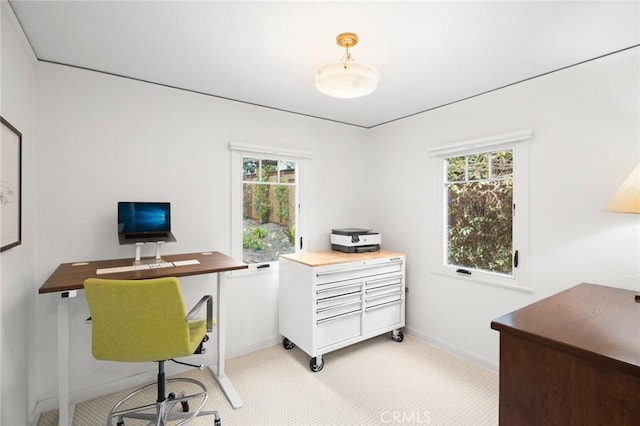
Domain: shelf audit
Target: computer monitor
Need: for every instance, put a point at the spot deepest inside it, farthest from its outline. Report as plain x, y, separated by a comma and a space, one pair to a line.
140, 222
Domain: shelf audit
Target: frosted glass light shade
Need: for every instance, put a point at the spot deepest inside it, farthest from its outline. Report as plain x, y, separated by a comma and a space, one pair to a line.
353, 81
626, 199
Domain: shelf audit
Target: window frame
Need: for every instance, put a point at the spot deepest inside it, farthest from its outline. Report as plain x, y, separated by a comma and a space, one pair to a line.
518, 142
240, 151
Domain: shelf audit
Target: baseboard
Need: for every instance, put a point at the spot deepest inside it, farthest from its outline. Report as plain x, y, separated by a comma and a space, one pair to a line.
454, 349
90, 392
44, 406
256, 346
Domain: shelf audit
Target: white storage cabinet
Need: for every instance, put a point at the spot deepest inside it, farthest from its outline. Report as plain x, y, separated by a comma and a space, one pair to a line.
329, 300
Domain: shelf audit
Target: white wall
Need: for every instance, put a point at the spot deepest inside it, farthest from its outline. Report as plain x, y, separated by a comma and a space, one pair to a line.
586, 123
106, 139
17, 289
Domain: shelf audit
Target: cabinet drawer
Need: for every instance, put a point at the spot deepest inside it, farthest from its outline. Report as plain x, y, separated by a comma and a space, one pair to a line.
337, 309
382, 315
395, 279
336, 329
382, 296
358, 271
387, 285
336, 289
337, 301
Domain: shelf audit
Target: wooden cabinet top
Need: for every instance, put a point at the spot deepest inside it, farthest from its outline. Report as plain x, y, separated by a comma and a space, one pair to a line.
591, 321
322, 258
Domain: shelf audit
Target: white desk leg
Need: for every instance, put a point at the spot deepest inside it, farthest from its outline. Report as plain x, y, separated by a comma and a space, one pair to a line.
223, 381
63, 357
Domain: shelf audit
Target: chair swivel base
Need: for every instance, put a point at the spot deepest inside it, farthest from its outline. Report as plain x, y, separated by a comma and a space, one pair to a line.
161, 413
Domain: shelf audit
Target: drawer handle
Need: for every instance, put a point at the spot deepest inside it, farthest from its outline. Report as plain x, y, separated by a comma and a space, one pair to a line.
357, 268
395, 277
382, 305
380, 287
337, 317
385, 294
339, 296
341, 287
337, 306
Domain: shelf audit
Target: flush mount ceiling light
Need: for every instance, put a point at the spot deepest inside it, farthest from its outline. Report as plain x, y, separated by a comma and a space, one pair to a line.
347, 79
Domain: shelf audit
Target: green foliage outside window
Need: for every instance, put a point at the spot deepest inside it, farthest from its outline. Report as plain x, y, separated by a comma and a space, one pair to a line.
480, 211
290, 232
253, 238
282, 198
262, 202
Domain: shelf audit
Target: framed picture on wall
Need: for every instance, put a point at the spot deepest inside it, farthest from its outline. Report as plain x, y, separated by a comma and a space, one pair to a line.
10, 186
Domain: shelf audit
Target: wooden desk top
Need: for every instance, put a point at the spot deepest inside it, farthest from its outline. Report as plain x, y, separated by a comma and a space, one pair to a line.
321, 258
591, 321
71, 276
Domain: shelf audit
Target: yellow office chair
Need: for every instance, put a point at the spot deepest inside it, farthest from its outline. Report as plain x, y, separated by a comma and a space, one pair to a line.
143, 321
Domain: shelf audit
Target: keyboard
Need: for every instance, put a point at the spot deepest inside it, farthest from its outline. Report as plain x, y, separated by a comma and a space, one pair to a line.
186, 262
131, 268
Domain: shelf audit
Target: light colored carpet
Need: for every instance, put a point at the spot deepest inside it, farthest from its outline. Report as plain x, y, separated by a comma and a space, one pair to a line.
374, 382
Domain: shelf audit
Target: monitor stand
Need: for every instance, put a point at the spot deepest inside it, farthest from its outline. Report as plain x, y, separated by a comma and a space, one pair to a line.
158, 259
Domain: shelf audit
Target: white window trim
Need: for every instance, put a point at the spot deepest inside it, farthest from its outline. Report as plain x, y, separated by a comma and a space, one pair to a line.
519, 143
238, 151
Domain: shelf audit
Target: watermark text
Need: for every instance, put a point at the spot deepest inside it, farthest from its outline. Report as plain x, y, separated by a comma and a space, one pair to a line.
405, 417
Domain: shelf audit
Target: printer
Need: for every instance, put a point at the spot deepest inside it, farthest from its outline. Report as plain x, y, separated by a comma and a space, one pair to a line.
355, 240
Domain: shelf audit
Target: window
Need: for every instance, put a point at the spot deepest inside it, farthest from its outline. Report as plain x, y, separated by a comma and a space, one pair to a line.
484, 210
268, 209
479, 191
266, 204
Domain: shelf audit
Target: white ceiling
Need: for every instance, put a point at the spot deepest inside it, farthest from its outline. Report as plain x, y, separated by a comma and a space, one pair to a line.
428, 53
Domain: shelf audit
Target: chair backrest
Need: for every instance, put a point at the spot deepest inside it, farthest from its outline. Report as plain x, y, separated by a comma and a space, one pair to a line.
137, 320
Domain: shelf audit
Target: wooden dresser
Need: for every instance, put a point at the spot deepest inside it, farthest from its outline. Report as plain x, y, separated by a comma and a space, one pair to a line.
571, 359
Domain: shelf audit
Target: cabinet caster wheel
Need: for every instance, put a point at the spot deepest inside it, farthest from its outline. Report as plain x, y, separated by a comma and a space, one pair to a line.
314, 366
288, 344
397, 337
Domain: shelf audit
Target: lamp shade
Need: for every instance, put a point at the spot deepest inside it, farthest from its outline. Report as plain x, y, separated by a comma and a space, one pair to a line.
347, 80
626, 199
